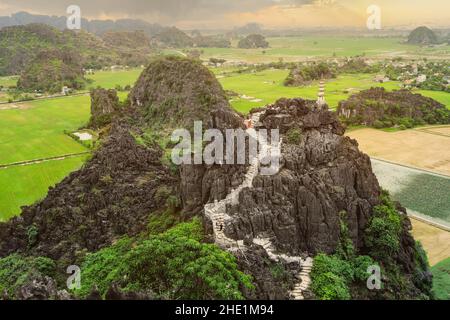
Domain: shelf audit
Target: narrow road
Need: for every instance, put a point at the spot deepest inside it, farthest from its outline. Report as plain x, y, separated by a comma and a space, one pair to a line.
36, 161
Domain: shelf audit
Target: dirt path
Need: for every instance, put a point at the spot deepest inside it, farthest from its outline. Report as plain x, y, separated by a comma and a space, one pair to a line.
435, 241
20, 106
36, 161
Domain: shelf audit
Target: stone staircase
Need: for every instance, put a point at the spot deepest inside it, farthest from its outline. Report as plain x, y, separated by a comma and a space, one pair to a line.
303, 279
216, 212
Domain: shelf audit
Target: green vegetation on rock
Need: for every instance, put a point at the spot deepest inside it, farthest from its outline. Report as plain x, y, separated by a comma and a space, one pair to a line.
422, 36
171, 265
17, 271
51, 70
344, 274
253, 41
304, 74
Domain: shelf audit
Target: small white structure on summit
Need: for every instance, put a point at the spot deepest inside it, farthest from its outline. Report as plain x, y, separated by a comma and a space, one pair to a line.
321, 97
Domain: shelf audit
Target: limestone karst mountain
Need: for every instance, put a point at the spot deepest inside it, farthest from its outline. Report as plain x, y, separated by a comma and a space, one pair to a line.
172, 37
114, 215
253, 41
381, 108
423, 36
52, 69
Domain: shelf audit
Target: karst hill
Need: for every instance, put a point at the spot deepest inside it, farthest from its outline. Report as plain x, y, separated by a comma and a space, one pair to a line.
129, 202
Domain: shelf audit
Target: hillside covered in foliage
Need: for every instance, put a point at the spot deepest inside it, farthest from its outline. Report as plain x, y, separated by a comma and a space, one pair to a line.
422, 36
20, 45
383, 109
304, 74
253, 41
50, 70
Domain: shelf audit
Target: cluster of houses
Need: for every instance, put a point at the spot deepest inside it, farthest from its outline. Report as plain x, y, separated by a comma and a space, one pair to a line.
413, 74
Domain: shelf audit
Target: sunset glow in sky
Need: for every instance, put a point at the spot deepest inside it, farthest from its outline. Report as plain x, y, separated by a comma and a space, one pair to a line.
230, 13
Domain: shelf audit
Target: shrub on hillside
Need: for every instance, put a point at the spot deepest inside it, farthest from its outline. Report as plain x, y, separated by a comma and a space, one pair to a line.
17, 270
382, 235
171, 265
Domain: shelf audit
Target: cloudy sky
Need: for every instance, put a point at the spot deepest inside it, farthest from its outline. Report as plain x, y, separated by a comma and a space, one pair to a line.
230, 13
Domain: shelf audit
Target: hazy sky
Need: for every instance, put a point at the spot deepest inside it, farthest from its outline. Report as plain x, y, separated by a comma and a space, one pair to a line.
229, 13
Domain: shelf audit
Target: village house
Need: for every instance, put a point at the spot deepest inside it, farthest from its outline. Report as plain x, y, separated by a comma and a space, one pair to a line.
381, 79
421, 79
65, 90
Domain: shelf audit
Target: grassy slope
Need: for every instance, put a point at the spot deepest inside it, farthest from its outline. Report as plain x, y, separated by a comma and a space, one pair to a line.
441, 281
24, 185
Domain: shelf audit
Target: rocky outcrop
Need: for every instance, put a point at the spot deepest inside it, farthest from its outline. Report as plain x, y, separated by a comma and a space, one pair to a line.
303, 74
422, 36
274, 224
111, 196
41, 288
51, 70
253, 41
104, 105
321, 175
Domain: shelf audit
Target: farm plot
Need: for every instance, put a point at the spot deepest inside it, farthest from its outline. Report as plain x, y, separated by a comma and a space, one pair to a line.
419, 191
24, 185
37, 130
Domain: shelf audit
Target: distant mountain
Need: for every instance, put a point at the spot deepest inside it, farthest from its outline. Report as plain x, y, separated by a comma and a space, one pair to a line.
173, 37
211, 42
253, 41
52, 69
422, 36
19, 45
127, 39
250, 28
94, 26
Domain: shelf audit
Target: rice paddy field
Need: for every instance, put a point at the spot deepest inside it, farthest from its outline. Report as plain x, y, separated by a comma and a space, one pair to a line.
441, 280
24, 185
423, 193
266, 87
111, 79
35, 130
310, 47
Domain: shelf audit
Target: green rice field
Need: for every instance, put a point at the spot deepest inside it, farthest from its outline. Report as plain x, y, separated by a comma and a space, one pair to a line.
110, 79
310, 47
36, 129
24, 185
441, 280
267, 86
421, 192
